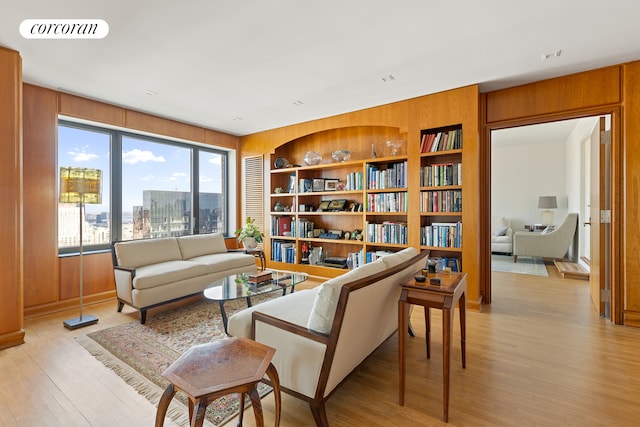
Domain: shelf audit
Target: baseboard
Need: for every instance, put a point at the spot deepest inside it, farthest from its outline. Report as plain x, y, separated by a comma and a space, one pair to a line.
11, 340
632, 318
58, 306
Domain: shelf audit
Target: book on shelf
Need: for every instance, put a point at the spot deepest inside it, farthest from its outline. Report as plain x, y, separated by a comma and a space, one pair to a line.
441, 141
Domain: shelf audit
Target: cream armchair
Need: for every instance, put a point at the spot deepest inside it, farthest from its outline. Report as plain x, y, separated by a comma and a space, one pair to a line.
501, 235
554, 244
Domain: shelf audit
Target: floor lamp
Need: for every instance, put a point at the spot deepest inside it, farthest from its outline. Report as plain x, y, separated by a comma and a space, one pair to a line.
81, 186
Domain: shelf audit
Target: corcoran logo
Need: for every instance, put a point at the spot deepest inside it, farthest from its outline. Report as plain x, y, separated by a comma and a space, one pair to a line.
64, 29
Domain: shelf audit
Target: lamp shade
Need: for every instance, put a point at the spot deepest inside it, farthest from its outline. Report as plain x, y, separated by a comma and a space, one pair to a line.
80, 185
547, 202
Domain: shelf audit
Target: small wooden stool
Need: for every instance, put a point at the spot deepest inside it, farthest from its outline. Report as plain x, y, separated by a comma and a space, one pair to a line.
209, 371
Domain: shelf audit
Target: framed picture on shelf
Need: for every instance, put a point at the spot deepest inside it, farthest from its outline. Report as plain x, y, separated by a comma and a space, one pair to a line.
305, 186
324, 205
330, 184
337, 204
318, 184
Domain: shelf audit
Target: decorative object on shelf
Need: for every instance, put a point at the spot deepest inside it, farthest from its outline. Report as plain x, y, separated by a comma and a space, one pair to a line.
318, 184
546, 203
394, 146
312, 158
330, 184
280, 163
250, 235
324, 205
292, 183
278, 190
315, 256
341, 186
341, 155
278, 207
337, 205
81, 186
373, 151
305, 185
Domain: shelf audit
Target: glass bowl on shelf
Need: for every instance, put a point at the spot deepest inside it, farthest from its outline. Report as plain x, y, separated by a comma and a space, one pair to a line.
394, 146
312, 158
341, 155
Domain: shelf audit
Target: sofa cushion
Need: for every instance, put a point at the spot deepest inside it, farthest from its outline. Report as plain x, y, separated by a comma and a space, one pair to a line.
294, 308
201, 244
499, 231
137, 253
150, 276
399, 257
226, 261
326, 300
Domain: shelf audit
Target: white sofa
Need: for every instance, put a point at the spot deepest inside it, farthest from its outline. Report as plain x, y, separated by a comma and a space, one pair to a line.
501, 235
152, 272
321, 335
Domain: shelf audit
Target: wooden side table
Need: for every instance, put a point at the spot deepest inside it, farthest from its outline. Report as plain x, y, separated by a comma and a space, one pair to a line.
258, 253
209, 371
452, 290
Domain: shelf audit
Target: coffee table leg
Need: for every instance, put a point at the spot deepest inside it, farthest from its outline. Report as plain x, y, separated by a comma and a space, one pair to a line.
224, 316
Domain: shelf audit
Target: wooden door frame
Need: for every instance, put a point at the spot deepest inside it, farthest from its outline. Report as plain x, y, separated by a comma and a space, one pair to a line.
616, 248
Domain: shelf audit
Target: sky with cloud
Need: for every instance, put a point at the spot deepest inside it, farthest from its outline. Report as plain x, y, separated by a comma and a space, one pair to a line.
146, 165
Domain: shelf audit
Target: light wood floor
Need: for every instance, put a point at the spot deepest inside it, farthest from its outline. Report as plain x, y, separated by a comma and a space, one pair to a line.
539, 357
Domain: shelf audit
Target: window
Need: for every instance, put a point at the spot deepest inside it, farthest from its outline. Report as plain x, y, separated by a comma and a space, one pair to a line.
148, 187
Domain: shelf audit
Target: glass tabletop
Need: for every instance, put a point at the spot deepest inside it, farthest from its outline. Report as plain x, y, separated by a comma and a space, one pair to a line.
237, 286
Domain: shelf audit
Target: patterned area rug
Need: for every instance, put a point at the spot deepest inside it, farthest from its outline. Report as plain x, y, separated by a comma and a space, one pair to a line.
140, 353
525, 265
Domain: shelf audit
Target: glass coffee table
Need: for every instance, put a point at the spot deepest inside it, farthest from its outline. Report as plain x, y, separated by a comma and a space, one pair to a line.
238, 286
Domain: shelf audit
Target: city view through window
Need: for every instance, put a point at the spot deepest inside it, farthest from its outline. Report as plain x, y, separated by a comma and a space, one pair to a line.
156, 191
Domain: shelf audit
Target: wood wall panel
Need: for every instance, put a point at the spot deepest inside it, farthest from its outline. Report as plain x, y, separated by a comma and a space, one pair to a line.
87, 109
40, 196
631, 217
162, 126
11, 255
220, 139
577, 91
97, 277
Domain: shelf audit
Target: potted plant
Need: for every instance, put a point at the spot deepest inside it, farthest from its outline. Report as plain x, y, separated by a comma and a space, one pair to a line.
250, 235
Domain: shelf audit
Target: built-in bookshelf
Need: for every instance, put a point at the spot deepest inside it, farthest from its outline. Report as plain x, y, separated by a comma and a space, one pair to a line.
441, 193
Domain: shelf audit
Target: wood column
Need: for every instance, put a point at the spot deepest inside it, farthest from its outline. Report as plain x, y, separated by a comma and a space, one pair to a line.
11, 259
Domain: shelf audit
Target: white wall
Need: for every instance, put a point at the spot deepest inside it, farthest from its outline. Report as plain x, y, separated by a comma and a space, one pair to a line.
522, 172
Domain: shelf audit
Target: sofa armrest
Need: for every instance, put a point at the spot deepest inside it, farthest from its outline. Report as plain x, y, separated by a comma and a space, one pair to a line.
123, 277
300, 352
287, 326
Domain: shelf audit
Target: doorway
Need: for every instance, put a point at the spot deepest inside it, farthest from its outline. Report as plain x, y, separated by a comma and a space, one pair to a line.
532, 161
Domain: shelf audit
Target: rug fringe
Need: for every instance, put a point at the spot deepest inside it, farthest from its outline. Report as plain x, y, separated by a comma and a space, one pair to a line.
177, 412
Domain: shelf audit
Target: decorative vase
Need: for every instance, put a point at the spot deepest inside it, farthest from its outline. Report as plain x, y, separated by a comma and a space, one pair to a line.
249, 243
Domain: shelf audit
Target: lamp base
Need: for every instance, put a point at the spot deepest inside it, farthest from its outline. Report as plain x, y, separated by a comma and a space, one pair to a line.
80, 322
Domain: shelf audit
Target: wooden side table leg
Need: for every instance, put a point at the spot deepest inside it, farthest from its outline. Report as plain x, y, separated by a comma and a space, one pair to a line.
241, 410
447, 321
272, 373
163, 404
403, 322
463, 329
427, 322
199, 410
257, 406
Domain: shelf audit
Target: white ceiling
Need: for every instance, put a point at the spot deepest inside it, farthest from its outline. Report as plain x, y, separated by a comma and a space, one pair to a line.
240, 66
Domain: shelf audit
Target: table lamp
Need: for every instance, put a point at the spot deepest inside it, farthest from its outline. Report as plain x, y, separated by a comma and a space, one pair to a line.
82, 186
546, 203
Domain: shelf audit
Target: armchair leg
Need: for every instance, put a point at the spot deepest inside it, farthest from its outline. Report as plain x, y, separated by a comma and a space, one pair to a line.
319, 414
515, 258
120, 306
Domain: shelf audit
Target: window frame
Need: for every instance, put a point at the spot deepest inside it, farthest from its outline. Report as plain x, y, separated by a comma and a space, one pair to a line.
115, 187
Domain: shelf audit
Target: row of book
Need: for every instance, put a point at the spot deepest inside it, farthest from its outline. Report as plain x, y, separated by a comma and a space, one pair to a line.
439, 174
387, 232
455, 264
441, 141
442, 235
388, 202
441, 201
354, 181
283, 251
394, 176
281, 225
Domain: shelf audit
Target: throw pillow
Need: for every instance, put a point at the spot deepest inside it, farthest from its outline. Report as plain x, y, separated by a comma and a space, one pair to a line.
500, 231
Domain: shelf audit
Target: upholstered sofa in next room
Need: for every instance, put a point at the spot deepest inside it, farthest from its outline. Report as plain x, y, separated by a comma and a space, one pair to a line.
152, 272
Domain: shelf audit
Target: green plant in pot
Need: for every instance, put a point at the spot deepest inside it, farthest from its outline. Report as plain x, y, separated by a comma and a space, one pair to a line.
250, 235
